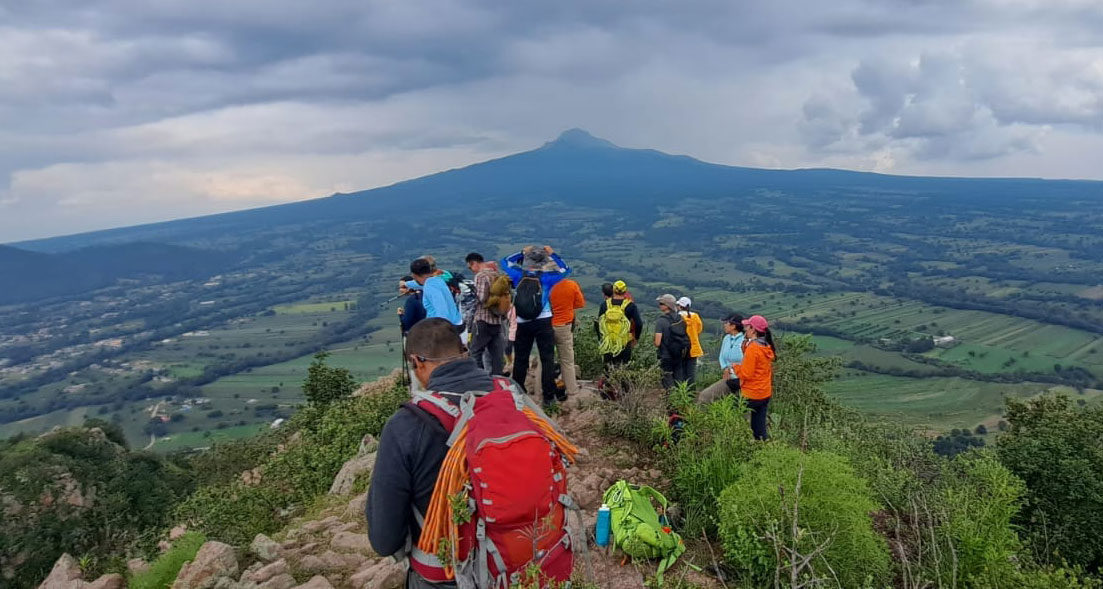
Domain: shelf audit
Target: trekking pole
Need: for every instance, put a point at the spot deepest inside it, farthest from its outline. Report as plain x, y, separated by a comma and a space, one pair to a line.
392, 299
405, 362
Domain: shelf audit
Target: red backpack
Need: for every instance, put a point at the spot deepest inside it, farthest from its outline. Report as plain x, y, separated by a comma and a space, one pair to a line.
505, 474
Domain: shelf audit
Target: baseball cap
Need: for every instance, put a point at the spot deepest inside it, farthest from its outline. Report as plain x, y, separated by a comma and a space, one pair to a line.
668, 300
758, 322
684, 302
620, 287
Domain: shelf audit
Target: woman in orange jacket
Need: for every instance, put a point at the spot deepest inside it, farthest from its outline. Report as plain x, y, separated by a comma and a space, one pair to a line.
756, 373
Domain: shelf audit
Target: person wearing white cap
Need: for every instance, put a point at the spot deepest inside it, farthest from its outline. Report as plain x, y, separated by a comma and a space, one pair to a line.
694, 327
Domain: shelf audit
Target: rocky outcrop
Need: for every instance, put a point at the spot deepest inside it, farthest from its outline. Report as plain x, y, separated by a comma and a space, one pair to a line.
214, 562
361, 464
66, 574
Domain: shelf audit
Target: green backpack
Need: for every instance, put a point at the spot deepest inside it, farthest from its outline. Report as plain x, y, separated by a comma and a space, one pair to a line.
635, 526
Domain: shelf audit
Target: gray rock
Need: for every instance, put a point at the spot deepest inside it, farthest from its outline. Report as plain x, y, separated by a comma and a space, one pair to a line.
383, 574
265, 548
357, 506
66, 574
284, 581
137, 566
266, 572
214, 561
112, 581
346, 478
350, 542
316, 582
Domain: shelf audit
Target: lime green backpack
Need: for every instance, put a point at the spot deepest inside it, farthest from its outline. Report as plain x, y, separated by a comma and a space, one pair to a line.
635, 527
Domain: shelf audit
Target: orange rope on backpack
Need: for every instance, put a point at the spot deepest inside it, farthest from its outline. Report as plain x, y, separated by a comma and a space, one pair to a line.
453, 478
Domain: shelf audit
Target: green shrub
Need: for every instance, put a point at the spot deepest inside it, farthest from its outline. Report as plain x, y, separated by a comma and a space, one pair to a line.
716, 442
325, 384
328, 435
977, 498
639, 413
162, 572
1054, 447
833, 527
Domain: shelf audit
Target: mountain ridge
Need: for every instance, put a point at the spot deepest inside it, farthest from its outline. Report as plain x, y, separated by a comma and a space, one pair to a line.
574, 166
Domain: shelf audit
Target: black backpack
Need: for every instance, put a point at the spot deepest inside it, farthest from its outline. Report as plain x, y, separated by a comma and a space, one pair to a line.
677, 343
528, 297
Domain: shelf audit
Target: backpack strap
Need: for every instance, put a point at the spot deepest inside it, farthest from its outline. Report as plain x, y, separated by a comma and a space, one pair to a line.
434, 404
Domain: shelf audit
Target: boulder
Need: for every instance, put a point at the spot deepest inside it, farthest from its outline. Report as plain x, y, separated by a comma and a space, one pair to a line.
266, 572
357, 506
178, 532
384, 574
137, 566
265, 548
65, 574
112, 581
214, 561
350, 542
353, 469
316, 582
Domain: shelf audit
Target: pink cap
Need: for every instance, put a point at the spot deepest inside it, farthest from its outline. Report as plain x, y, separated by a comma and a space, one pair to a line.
758, 322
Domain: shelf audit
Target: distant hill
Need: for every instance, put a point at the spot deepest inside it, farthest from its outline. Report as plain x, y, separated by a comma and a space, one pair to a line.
581, 169
34, 275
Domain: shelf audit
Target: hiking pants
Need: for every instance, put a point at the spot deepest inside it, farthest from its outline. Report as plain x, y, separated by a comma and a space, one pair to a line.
691, 371
758, 417
488, 339
716, 391
538, 331
564, 344
674, 371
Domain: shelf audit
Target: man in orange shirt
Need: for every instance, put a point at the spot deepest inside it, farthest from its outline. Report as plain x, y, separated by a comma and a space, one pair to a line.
565, 298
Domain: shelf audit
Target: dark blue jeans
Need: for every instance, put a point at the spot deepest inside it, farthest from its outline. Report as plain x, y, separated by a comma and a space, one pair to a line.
758, 417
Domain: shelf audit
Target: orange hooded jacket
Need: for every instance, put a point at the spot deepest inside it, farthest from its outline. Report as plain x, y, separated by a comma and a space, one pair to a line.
756, 373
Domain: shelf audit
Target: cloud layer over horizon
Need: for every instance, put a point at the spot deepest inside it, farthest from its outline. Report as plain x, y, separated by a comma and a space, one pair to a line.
117, 112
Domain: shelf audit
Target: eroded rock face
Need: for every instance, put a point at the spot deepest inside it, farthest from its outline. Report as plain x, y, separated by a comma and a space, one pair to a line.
266, 572
65, 574
361, 464
214, 562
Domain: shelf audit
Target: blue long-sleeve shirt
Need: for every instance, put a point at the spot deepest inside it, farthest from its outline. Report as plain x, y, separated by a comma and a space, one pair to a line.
731, 351
439, 302
511, 265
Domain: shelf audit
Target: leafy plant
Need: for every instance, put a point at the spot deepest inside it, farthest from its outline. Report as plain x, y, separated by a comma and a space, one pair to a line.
325, 384
1054, 447
162, 572
802, 519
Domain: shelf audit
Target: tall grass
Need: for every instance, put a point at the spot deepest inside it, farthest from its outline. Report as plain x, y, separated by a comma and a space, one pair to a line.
162, 572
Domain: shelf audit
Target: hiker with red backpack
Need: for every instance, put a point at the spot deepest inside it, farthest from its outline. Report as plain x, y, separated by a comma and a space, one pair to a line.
534, 271
491, 311
470, 479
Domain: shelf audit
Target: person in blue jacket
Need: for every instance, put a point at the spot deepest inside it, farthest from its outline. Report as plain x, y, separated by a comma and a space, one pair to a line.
731, 356
436, 296
412, 310
546, 266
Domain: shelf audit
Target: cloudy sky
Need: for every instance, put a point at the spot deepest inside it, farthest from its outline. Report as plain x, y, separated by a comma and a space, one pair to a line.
116, 112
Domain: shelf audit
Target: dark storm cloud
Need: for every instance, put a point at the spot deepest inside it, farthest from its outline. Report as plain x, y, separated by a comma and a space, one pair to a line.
204, 105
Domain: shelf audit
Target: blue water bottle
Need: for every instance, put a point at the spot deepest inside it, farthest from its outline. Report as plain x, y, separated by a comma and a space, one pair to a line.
601, 534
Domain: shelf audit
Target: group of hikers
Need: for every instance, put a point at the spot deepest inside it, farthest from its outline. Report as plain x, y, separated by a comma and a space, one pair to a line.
467, 466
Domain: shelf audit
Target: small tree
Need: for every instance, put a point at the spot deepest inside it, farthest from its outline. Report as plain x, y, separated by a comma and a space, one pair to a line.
325, 384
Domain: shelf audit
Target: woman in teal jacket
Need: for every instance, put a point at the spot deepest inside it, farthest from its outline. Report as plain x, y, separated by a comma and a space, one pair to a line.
731, 356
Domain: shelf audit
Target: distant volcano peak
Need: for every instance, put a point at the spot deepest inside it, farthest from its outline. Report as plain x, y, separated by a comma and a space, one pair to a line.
580, 139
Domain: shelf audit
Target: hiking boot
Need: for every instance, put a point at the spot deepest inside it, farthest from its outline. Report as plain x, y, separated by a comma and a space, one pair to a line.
561, 396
